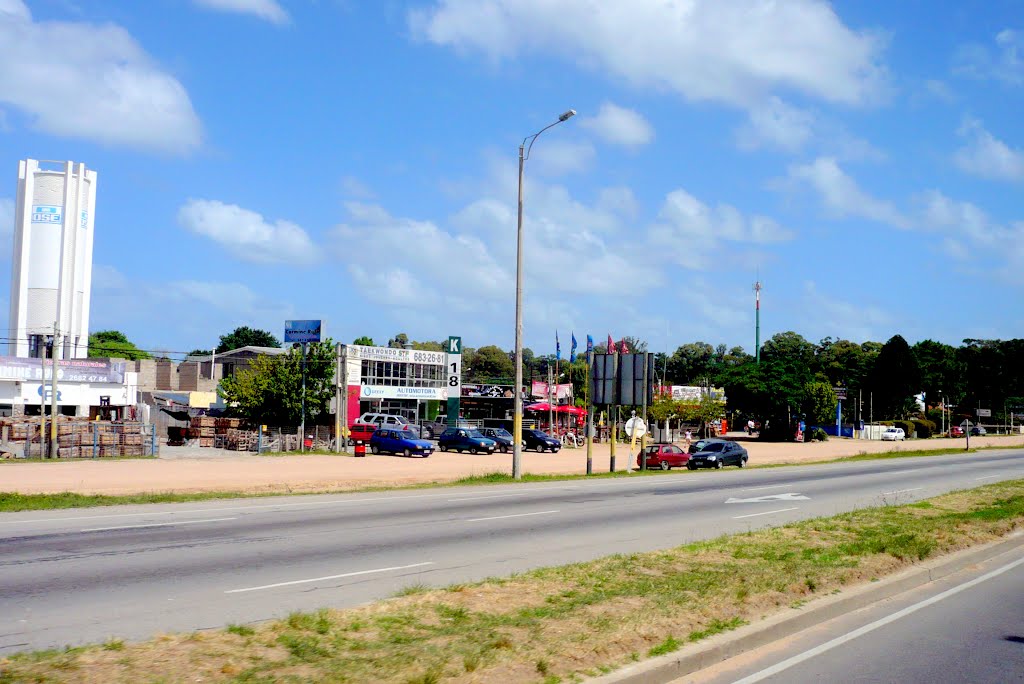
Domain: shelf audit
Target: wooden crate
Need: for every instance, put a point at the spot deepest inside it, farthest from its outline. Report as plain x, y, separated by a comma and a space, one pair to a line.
106, 439
131, 439
71, 452
206, 441
207, 431
204, 421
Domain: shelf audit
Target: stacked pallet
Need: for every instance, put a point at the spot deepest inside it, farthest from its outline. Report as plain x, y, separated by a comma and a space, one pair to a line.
240, 440
76, 437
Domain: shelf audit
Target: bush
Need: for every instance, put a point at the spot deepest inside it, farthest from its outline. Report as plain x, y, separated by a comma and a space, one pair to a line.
924, 428
819, 435
908, 427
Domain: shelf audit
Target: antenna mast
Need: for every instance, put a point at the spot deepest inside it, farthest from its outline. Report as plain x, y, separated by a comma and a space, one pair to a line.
757, 319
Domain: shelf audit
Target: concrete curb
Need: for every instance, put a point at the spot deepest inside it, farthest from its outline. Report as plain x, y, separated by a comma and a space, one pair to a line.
690, 659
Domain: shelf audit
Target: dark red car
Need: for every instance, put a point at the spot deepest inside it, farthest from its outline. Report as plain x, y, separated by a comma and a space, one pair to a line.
664, 456
956, 431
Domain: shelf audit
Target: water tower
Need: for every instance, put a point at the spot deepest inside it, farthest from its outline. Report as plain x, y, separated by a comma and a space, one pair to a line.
51, 269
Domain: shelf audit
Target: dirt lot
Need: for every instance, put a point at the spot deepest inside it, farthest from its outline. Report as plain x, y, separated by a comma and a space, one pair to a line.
206, 470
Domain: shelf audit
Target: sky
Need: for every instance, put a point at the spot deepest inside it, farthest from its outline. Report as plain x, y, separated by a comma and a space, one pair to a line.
356, 162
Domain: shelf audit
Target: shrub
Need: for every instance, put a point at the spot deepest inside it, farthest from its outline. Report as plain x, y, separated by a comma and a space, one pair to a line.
819, 435
908, 427
924, 428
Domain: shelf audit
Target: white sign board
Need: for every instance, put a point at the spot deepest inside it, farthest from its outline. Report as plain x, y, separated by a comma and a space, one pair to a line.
433, 358
636, 425
984, 413
369, 392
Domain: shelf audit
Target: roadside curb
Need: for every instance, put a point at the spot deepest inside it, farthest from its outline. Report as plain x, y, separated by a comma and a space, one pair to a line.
689, 659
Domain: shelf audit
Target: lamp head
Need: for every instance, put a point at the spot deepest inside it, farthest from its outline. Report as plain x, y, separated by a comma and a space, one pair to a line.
567, 115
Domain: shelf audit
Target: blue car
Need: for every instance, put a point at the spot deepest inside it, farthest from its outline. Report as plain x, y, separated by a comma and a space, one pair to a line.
465, 439
403, 442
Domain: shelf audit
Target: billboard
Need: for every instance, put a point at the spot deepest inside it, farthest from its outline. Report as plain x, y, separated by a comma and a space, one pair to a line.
396, 355
68, 370
302, 331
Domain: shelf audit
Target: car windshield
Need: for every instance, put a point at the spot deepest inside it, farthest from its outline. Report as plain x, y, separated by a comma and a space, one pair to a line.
503, 433
405, 434
475, 433
713, 446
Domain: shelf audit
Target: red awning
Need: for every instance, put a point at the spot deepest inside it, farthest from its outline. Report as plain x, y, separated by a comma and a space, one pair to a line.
545, 406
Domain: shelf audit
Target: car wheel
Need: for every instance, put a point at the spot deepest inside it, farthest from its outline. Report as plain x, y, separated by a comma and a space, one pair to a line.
742, 463
718, 465
690, 466
504, 449
408, 453
374, 448
665, 465
472, 450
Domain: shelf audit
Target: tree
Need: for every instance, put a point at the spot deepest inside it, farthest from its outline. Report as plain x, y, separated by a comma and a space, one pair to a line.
896, 379
398, 341
246, 337
269, 391
820, 403
691, 363
114, 344
491, 364
940, 373
364, 341
634, 344
201, 352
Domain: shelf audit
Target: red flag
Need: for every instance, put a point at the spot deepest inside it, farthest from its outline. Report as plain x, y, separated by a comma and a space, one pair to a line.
623, 347
611, 345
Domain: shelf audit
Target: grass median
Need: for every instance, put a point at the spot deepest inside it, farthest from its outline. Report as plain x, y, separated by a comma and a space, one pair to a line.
556, 624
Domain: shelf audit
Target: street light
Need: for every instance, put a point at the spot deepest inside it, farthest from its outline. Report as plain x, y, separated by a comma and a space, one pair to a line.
517, 430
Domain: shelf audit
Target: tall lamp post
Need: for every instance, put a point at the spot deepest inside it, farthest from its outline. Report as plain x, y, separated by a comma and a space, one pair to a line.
517, 430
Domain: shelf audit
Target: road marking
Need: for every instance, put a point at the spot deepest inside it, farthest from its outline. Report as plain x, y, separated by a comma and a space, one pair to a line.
328, 577
850, 636
163, 524
515, 515
897, 472
488, 496
788, 496
987, 477
758, 489
754, 515
900, 491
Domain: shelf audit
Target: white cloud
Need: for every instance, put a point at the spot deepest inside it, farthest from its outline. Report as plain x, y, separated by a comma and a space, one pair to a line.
1002, 62
838, 317
735, 52
99, 83
776, 124
620, 126
353, 188
841, 195
987, 156
264, 9
246, 234
688, 230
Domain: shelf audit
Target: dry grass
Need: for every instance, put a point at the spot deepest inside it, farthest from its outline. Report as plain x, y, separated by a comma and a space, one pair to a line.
556, 624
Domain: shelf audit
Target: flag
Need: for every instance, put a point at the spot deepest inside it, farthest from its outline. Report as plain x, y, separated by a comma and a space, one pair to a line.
590, 344
623, 348
572, 349
558, 348
611, 345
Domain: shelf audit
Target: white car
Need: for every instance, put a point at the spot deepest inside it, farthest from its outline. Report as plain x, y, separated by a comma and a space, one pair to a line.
387, 420
892, 434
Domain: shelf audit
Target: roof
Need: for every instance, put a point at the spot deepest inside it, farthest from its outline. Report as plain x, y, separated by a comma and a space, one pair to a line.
255, 351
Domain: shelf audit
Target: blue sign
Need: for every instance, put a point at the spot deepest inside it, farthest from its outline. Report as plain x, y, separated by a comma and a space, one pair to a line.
45, 213
302, 331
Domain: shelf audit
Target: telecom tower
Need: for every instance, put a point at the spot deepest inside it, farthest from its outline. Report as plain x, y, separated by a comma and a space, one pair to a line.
51, 265
757, 319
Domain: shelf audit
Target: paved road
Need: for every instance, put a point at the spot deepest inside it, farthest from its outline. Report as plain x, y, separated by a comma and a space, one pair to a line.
968, 627
86, 575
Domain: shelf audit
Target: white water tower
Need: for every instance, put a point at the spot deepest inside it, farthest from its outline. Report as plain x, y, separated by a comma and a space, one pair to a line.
51, 269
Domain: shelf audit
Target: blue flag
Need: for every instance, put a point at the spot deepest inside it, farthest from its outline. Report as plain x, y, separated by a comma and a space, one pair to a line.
572, 349
558, 348
590, 344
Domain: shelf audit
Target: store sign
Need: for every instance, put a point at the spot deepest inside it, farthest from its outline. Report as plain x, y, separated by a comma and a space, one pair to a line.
453, 371
367, 392
68, 370
394, 355
302, 331
46, 213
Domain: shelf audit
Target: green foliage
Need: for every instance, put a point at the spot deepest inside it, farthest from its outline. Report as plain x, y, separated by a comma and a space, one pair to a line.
114, 344
896, 379
364, 341
246, 337
820, 402
490, 364
269, 392
201, 352
819, 435
908, 427
924, 428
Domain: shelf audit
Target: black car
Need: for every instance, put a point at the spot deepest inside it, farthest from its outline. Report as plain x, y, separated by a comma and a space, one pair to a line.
465, 439
500, 435
536, 439
717, 454
701, 443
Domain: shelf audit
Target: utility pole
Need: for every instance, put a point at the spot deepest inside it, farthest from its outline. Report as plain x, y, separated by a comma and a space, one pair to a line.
643, 438
551, 403
53, 395
302, 425
590, 415
757, 321
338, 366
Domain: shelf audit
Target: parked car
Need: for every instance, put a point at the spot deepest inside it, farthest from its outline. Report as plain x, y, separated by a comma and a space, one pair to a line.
361, 432
501, 436
717, 454
893, 434
978, 431
387, 420
956, 431
539, 440
701, 443
465, 439
664, 456
405, 442
440, 424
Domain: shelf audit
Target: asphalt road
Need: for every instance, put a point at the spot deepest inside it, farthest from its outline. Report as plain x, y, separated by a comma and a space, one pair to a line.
968, 627
86, 575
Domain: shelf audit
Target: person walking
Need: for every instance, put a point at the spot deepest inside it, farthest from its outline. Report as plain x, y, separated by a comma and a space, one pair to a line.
689, 439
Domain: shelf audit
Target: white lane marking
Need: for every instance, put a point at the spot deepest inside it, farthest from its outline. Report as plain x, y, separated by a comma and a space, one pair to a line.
896, 472
488, 496
328, 577
788, 496
514, 515
163, 524
757, 489
849, 636
987, 477
754, 515
900, 491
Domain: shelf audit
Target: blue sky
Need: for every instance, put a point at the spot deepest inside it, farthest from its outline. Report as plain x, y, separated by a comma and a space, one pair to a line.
356, 161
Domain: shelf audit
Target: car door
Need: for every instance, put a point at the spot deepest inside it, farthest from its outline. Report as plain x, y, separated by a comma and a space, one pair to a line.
674, 455
387, 440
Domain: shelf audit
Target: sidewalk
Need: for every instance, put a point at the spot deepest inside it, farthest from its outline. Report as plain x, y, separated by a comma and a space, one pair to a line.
181, 471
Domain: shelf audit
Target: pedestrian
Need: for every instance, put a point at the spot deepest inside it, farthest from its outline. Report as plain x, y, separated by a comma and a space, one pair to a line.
689, 438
